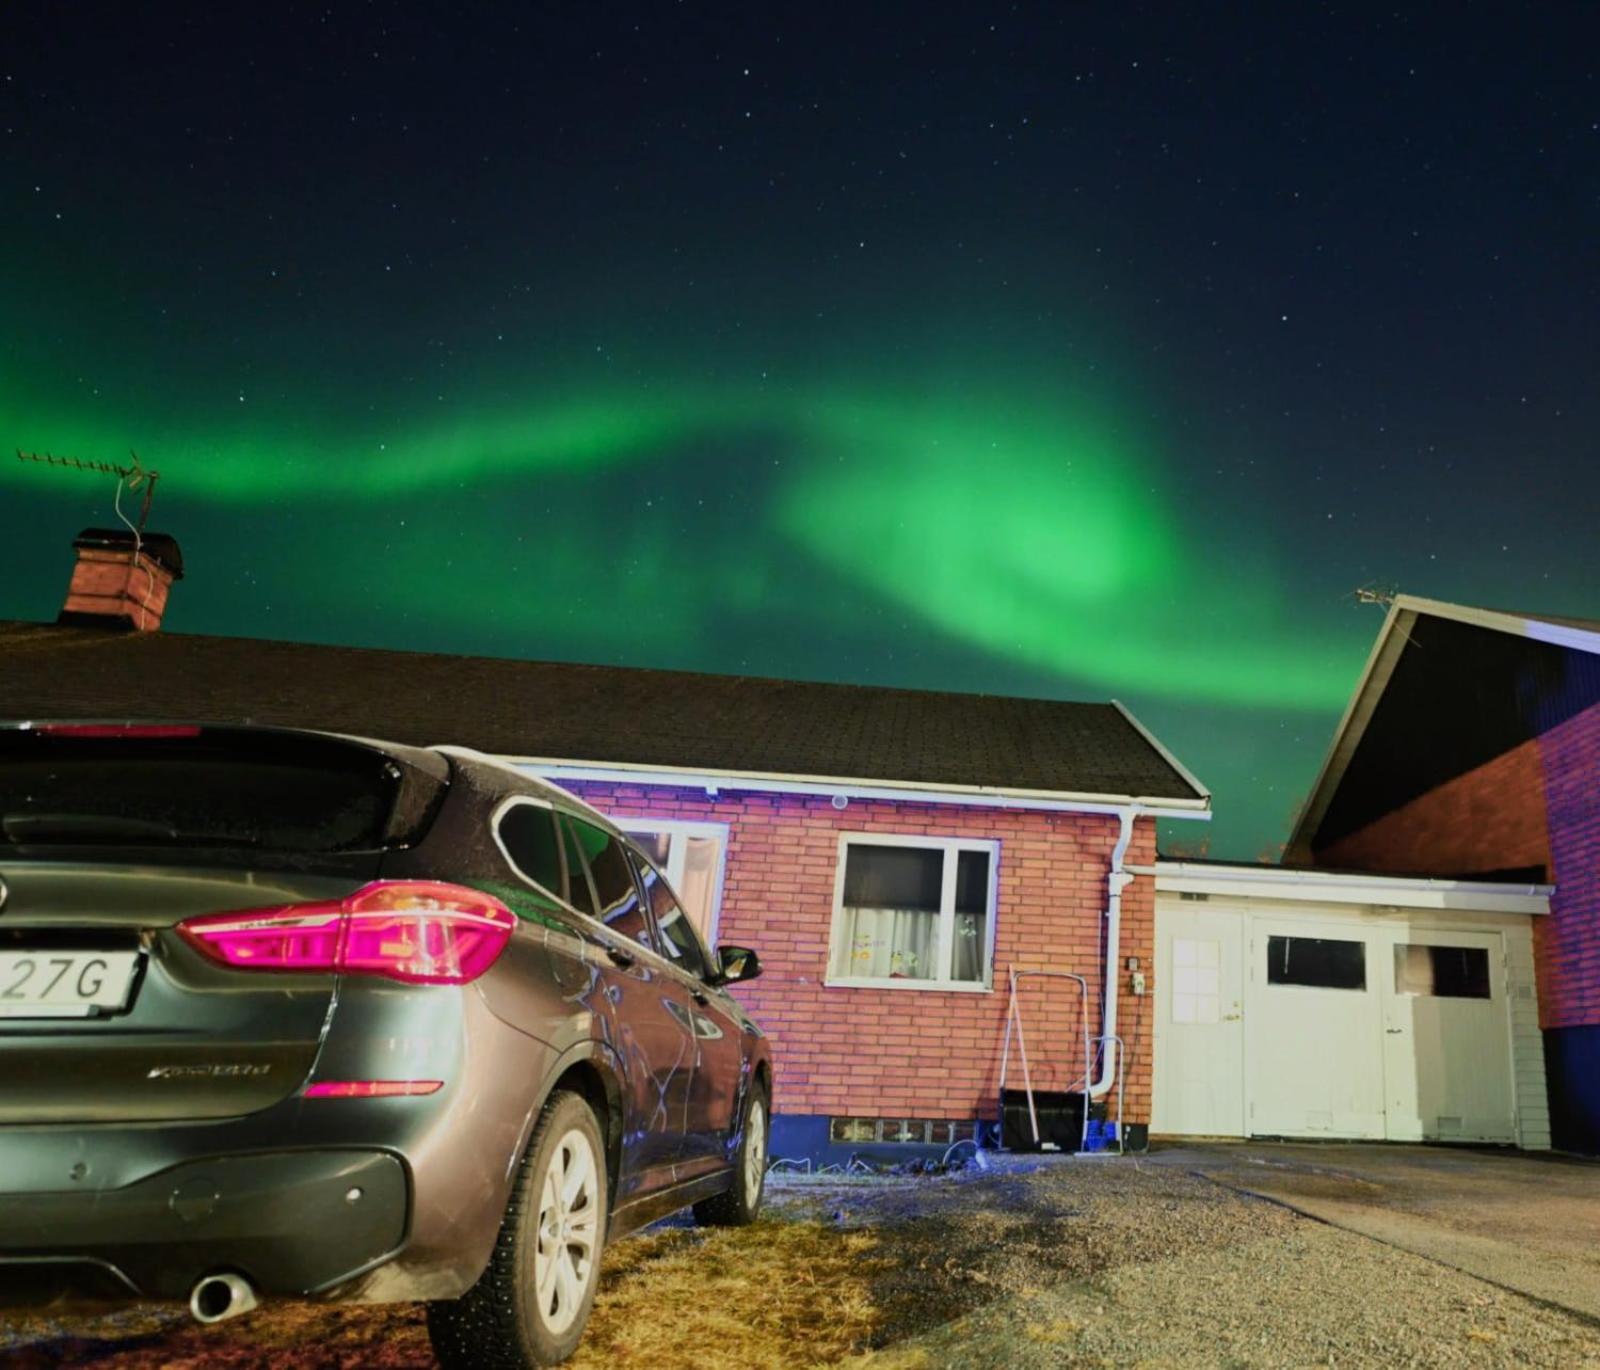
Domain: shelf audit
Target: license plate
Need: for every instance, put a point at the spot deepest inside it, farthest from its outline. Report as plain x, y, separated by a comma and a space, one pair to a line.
64, 984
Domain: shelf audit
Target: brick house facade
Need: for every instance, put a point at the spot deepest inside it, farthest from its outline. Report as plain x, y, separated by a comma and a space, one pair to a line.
1472, 749
923, 1053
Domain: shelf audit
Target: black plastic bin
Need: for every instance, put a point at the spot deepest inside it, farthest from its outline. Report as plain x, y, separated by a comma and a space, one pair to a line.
1060, 1115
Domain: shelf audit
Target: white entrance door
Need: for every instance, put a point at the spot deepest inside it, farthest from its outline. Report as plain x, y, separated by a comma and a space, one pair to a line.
1199, 1050
1315, 1045
1446, 1043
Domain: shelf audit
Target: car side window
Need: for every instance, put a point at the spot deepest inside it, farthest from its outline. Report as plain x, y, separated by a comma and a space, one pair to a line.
680, 942
581, 892
618, 897
528, 833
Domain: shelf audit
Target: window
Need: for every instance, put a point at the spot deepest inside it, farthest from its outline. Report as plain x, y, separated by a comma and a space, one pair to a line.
580, 892
528, 834
680, 943
1446, 972
1196, 981
184, 789
693, 857
1316, 962
615, 896
914, 912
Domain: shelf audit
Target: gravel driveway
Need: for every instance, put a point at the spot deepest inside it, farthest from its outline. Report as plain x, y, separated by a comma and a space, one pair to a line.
1529, 1222
1095, 1261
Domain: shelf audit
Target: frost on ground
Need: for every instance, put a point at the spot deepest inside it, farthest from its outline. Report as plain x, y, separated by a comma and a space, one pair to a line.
1112, 1262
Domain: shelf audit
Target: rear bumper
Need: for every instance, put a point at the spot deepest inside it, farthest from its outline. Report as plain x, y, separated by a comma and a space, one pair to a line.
294, 1222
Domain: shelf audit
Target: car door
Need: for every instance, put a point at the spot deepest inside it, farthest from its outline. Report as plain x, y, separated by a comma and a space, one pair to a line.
718, 1039
648, 1013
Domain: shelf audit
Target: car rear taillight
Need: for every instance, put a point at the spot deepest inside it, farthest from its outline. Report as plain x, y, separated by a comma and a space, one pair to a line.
420, 931
372, 1089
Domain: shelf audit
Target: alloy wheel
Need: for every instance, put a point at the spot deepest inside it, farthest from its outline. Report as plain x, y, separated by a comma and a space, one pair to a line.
755, 1150
569, 1224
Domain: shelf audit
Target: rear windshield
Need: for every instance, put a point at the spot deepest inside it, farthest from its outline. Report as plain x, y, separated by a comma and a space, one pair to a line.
210, 787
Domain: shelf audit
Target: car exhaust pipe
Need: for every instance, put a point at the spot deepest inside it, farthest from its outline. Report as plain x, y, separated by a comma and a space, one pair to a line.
221, 1296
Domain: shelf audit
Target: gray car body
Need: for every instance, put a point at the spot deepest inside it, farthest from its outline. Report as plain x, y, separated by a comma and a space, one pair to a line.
135, 1162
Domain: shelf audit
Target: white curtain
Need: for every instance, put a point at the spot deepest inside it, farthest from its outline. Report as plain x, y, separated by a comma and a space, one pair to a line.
966, 961
888, 944
697, 885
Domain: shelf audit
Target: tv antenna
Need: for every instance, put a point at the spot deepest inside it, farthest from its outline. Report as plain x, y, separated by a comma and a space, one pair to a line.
135, 477
1375, 594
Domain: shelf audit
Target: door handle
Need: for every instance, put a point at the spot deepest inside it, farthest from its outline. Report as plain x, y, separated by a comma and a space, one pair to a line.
1232, 1017
1394, 1032
619, 957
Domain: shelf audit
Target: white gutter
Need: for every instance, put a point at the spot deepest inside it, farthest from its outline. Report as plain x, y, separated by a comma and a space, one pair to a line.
1117, 880
1349, 887
980, 796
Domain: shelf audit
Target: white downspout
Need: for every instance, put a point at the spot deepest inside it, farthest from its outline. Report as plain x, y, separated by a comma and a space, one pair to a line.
1118, 879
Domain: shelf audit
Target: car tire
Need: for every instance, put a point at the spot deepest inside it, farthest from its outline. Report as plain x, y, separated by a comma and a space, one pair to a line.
739, 1205
530, 1305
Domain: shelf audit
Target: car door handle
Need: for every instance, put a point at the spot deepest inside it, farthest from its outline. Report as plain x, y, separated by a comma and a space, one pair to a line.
619, 957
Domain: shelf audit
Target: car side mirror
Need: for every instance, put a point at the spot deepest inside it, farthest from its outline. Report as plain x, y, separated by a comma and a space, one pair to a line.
738, 963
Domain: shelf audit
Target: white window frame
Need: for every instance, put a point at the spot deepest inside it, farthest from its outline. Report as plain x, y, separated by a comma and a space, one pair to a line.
947, 913
683, 827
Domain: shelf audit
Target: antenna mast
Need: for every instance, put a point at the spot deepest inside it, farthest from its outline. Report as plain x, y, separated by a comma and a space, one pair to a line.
135, 477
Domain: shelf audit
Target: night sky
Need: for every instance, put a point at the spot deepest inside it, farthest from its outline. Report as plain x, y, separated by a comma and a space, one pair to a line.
1081, 352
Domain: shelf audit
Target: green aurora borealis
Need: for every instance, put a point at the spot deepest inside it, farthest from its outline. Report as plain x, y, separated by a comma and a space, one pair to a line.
1025, 538
1013, 526
1025, 359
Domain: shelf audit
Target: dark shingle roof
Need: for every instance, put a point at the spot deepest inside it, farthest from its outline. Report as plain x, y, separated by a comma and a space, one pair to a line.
600, 714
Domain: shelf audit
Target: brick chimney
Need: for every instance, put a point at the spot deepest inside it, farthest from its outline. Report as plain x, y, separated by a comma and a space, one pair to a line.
120, 583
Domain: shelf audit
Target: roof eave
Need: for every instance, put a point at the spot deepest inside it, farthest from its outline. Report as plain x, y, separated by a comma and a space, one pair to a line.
1357, 714
989, 796
1351, 887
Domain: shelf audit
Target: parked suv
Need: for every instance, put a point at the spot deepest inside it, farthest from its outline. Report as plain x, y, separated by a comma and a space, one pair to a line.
286, 1013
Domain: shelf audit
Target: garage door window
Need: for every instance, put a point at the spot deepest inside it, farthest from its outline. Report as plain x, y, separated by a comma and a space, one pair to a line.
1447, 972
1316, 963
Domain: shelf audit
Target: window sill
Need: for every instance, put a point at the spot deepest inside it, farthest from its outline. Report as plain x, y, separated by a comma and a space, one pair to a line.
926, 986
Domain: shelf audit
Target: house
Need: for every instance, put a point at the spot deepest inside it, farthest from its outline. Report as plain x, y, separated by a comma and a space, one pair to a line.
1470, 751
892, 854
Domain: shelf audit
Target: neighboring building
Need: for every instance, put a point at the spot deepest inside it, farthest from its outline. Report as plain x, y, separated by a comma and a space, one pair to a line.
1471, 750
891, 854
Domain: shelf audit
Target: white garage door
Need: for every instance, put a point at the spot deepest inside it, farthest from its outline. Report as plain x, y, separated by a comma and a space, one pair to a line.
1350, 1028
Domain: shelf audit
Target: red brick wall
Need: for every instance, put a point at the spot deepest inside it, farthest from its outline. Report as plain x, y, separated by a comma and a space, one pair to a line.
1538, 804
1491, 818
891, 1053
1567, 943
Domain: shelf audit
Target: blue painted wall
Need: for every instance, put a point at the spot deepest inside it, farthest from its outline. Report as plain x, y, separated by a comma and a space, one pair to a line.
1572, 1064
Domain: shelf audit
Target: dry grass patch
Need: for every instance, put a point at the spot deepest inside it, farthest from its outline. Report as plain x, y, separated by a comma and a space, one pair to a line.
776, 1294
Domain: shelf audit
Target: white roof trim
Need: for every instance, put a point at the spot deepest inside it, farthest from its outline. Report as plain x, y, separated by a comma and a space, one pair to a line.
1392, 637
982, 796
1523, 625
1189, 777
1352, 724
1343, 887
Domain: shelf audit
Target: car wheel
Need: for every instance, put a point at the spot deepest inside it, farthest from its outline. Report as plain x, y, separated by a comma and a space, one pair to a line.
530, 1305
740, 1204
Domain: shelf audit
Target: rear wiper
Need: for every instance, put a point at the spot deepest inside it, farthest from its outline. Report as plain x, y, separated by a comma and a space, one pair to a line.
80, 827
